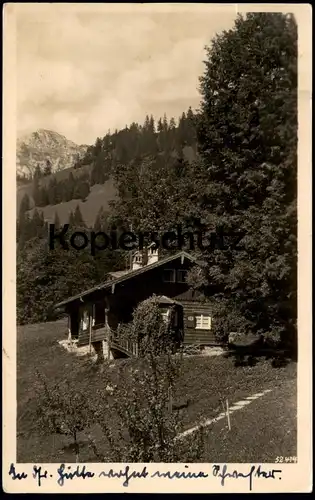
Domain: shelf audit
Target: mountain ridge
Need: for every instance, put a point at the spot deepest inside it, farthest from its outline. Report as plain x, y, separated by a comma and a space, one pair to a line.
35, 148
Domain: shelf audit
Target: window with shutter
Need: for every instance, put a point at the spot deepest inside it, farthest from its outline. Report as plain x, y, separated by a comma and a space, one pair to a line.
203, 322
165, 316
169, 275
181, 275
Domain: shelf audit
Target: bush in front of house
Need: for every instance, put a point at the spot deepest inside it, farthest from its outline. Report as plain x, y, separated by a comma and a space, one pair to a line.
138, 417
141, 405
148, 329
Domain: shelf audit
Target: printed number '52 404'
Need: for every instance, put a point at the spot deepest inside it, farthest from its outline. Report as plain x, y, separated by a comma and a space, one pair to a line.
286, 460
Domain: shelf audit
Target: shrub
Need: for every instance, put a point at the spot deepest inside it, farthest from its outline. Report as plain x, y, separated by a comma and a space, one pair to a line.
149, 330
136, 415
62, 409
146, 425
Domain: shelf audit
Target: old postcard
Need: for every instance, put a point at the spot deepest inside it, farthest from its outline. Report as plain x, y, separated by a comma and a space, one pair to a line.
157, 190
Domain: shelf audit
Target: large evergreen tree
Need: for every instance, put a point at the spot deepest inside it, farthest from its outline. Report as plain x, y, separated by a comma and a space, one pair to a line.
101, 220
156, 194
78, 219
25, 205
45, 277
69, 187
247, 136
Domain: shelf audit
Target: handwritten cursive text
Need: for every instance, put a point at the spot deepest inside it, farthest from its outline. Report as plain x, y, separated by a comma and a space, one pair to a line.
223, 473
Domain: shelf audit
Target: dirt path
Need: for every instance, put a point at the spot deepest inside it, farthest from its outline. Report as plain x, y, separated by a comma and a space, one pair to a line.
261, 431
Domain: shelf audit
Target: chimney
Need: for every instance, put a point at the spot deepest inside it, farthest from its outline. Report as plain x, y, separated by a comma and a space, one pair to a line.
153, 254
137, 260
144, 257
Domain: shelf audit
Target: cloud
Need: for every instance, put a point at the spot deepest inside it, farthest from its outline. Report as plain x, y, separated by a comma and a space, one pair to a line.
81, 74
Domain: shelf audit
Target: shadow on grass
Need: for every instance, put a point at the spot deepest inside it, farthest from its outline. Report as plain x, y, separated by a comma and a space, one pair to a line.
249, 357
82, 446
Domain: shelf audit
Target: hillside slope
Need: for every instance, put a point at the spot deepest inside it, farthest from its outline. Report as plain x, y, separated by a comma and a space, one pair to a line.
27, 188
35, 148
100, 196
204, 381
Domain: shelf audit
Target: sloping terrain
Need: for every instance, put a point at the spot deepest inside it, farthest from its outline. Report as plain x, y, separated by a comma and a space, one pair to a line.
100, 195
260, 432
23, 189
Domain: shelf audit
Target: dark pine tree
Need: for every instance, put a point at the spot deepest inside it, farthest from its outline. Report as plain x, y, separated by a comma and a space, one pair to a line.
56, 221
48, 167
247, 133
78, 219
69, 187
37, 173
25, 205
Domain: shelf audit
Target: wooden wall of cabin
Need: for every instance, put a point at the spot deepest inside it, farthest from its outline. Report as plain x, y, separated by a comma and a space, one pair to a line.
192, 335
138, 288
100, 309
128, 294
93, 312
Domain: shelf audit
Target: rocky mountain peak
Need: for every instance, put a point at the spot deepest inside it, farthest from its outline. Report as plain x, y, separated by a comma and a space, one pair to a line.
37, 147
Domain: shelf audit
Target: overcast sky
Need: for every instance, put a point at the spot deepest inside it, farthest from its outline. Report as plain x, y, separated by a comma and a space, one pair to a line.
82, 73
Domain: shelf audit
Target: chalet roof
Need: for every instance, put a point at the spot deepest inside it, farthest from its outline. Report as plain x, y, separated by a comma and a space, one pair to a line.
162, 299
118, 274
127, 276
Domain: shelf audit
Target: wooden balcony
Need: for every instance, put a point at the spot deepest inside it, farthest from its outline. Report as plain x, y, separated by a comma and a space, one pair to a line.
98, 333
119, 346
123, 347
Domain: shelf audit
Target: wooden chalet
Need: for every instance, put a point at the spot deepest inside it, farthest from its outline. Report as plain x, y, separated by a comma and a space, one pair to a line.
95, 314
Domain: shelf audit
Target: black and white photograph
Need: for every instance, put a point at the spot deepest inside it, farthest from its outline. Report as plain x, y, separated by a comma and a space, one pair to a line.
157, 233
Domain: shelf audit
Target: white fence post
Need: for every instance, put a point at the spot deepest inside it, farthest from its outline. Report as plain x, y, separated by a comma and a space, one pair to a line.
228, 414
